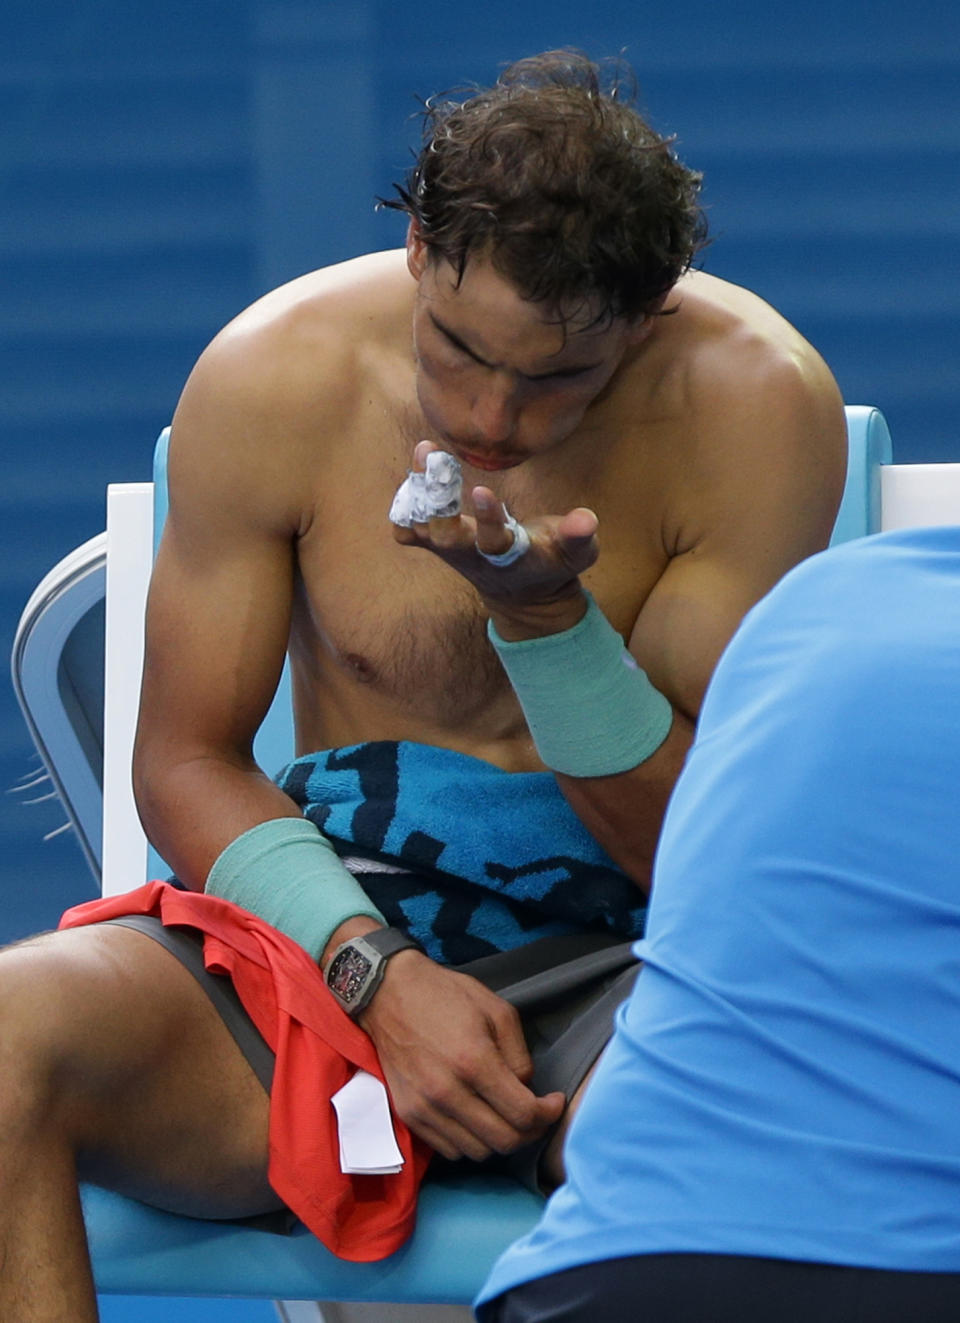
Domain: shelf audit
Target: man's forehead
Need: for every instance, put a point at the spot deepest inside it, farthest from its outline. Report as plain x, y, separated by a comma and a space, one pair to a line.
483, 302
482, 272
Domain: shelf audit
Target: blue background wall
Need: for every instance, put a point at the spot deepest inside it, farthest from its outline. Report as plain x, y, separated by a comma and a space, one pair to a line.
161, 164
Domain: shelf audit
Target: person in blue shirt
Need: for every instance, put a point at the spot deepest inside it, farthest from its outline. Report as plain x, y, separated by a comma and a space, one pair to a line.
773, 1132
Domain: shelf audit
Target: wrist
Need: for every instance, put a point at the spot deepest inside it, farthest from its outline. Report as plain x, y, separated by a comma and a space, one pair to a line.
517, 622
589, 707
358, 965
398, 968
358, 926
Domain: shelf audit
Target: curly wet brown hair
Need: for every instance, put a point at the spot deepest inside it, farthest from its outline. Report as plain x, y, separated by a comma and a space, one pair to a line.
555, 177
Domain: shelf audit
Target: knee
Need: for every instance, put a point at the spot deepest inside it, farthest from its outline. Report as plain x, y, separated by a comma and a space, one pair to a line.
36, 1038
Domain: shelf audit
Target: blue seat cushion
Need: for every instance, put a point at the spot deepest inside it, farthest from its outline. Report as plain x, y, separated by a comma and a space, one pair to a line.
463, 1224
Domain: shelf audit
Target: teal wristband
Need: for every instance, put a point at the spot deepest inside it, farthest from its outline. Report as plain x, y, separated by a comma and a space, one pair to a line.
286, 872
591, 710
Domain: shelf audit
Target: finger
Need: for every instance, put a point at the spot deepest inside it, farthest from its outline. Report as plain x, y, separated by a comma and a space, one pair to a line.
461, 1124
502, 1137
507, 1030
576, 535
450, 1139
520, 1114
435, 1113
450, 532
435, 491
459, 1121
490, 1103
493, 537
420, 452
580, 525
479, 1128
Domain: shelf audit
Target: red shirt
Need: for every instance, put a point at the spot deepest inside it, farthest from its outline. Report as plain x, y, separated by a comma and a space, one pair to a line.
318, 1049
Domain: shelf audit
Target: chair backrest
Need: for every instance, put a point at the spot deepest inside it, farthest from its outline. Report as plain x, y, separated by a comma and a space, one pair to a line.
868, 448
57, 671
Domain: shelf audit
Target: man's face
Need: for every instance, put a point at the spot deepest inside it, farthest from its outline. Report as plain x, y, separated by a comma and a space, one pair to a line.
497, 379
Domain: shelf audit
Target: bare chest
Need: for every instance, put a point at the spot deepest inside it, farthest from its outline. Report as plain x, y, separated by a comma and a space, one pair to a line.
393, 625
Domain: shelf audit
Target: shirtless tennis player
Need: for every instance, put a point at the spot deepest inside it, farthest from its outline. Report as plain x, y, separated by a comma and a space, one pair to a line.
669, 444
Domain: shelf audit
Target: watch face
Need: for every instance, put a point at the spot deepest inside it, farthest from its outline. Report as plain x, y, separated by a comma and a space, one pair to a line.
347, 974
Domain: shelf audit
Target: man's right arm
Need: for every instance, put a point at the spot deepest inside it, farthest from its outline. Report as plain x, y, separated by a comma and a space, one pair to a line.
218, 617
218, 621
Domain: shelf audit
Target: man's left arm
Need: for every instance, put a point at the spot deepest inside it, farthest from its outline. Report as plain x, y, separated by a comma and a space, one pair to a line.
770, 497
771, 456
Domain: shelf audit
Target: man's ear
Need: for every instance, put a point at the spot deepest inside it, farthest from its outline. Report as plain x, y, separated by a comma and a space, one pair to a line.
641, 327
417, 251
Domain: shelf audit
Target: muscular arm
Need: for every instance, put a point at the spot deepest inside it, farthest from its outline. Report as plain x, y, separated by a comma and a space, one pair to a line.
217, 623
767, 463
755, 518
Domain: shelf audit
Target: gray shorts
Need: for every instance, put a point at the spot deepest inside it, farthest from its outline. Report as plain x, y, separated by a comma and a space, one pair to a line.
565, 989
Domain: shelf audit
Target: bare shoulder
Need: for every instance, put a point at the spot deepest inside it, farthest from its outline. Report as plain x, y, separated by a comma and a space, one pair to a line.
280, 385
741, 347
764, 413
756, 445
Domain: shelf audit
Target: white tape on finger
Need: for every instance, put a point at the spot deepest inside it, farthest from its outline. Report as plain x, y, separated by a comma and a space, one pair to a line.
520, 544
433, 494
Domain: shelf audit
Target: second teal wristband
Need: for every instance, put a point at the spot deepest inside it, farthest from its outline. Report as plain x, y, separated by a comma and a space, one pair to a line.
286, 872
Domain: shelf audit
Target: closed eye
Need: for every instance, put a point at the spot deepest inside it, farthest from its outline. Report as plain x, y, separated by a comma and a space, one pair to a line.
559, 374
458, 344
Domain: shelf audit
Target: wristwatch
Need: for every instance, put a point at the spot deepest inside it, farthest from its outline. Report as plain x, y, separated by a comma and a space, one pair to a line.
357, 966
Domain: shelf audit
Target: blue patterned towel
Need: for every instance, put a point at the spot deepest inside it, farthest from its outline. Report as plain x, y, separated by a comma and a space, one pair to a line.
496, 858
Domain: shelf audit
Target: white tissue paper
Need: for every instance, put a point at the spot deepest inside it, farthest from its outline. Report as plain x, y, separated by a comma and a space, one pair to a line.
368, 1146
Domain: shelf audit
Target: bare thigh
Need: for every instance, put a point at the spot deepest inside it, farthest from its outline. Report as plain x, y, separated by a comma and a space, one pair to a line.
138, 1071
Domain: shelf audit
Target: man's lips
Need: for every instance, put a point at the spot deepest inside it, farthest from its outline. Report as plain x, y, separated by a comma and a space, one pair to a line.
491, 463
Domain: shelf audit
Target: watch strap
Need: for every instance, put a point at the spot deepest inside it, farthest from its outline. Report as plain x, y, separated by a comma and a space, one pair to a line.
388, 941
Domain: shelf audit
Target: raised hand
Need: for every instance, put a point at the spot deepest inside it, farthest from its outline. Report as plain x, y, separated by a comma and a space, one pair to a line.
559, 547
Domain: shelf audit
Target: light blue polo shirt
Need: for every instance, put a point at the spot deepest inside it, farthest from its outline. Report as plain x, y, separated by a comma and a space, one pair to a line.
785, 1079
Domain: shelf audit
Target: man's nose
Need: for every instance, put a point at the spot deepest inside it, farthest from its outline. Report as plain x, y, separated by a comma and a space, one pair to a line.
495, 411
